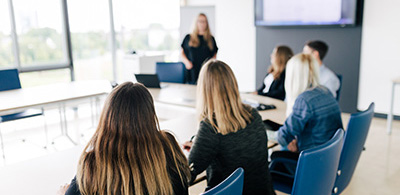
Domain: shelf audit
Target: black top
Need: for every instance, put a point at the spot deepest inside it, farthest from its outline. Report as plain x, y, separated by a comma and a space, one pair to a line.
177, 185
277, 88
197, 55
222, 154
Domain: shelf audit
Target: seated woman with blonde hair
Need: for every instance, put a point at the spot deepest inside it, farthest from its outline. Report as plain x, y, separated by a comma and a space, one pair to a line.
128, 153
231, 134
313, 113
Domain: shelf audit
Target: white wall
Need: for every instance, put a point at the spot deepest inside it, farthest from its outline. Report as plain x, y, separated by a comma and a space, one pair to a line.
197, 2
380, 55
235, 36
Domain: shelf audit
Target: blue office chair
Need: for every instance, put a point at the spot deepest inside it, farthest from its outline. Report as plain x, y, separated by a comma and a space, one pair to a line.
316, 168
232, 185
356, 134
172, 72
340, 77
9, 80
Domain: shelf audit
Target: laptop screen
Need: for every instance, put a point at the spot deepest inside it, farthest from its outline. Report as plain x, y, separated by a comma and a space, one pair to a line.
148, 80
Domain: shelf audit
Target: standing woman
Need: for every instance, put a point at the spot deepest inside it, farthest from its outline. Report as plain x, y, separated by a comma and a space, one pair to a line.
128, 154
231, 134
274, 82
198, 47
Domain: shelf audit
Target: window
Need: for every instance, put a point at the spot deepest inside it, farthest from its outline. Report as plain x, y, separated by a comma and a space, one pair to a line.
39, 29
40, 41
90, 35
147, 26
6, 54
31, 79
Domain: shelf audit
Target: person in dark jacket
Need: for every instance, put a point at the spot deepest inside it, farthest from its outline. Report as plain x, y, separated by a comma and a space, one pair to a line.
231, 133
274, 82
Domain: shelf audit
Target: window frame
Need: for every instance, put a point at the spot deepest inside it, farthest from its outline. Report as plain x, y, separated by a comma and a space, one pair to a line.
66, 45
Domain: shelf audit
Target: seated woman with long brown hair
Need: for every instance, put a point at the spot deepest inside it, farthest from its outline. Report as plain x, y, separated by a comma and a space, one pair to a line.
231, 134
129, 154
274, 82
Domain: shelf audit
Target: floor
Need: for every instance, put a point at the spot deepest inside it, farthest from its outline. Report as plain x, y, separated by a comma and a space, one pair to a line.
377, 173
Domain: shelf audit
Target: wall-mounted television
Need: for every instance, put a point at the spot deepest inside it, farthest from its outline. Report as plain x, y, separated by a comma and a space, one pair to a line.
305, 12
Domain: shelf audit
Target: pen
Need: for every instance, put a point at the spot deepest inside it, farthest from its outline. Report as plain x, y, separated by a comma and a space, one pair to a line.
191, 139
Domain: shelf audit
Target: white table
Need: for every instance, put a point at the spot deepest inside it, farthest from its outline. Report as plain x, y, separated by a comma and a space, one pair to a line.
13, 101
53, 95
185, 95
390, 114
175, 106
42, 175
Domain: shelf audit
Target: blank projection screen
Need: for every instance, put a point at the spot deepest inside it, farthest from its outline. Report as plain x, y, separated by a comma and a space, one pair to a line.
305, 12
302, 11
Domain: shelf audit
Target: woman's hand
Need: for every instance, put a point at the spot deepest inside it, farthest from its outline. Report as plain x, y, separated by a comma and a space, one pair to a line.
187, 145
188, 65
186, 61
63, 189
292, 146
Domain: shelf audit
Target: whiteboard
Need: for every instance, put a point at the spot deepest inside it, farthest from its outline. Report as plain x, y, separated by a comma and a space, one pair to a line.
189, 14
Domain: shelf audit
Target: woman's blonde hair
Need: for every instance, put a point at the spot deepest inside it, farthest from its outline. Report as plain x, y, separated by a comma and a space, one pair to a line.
302, 73
194, 39
282, 56
218, 98
128, 154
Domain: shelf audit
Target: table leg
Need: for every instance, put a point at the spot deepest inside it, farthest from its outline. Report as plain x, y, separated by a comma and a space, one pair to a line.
66, 126
390, 114
2, 144
45, 129
97, 110
92, 110
61, 118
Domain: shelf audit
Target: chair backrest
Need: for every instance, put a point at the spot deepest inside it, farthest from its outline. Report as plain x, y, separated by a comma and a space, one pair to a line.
340, 77
173, 72
232, 185
316, 167
9, 79
356, 134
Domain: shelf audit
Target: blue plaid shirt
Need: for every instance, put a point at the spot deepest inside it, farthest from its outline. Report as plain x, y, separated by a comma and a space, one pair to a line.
313, 121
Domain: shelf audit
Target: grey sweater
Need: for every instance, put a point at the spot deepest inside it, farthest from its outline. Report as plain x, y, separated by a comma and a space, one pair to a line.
222, 154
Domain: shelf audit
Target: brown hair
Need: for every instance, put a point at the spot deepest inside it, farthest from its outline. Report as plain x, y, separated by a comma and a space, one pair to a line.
282, 55
218, 100
194, 39
128, 153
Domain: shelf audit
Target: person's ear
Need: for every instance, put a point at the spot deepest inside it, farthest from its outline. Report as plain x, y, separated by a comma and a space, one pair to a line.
315, 53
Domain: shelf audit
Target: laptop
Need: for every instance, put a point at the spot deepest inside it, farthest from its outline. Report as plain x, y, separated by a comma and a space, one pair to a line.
148, 80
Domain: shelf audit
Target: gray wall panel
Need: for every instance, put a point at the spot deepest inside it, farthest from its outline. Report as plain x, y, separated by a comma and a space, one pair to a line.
343, 56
